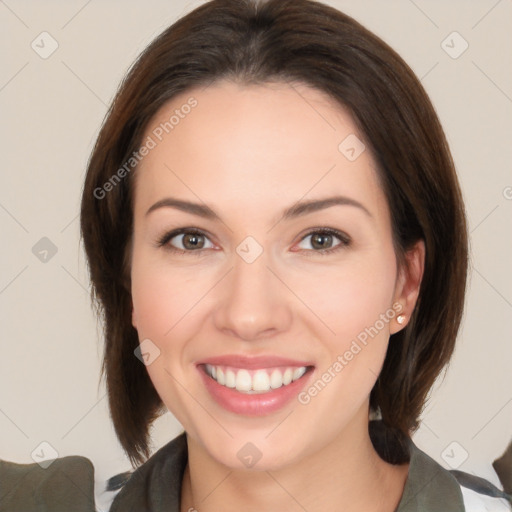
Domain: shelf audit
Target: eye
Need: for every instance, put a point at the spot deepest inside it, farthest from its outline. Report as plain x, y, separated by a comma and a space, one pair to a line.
185, 240
192, 240
323, 240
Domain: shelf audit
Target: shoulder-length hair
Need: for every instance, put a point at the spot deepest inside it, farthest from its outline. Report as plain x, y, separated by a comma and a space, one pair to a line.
307, 42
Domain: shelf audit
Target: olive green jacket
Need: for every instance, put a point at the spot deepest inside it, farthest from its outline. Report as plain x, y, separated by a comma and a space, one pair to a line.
155, 486
67, 484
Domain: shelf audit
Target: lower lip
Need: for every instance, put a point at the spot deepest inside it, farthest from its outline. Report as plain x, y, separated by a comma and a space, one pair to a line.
257, 404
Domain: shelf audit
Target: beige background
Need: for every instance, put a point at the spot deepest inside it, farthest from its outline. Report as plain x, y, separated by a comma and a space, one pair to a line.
51, 111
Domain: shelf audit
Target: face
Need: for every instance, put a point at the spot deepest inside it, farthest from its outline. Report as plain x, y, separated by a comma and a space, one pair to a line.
266, 310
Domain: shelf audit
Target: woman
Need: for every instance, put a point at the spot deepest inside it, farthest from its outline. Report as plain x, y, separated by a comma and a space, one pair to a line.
277, 239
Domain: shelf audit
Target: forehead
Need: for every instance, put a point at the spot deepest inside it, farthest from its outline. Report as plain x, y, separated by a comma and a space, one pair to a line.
262, 143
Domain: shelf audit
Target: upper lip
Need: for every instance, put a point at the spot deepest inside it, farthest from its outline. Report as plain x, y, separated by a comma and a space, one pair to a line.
253, 362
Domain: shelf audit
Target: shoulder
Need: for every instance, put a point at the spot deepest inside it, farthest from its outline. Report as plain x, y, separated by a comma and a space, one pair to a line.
156, 484
430, 487
48, 485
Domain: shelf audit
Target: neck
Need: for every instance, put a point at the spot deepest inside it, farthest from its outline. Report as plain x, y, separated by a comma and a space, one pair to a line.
347, 472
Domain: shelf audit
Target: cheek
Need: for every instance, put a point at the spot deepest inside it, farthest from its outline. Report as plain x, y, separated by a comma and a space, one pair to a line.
163, 301
351, 296
162, 297
355, 303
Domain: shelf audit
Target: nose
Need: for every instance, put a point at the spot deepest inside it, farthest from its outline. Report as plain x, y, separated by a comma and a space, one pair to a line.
253, 304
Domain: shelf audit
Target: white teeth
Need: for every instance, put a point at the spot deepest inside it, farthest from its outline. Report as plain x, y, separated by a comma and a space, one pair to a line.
243, 381
230, 379
254, 381
276, 379
261, 381
297, 373
287, 376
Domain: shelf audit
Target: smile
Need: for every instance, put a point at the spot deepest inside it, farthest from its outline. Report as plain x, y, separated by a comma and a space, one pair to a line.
257, 381
254, 386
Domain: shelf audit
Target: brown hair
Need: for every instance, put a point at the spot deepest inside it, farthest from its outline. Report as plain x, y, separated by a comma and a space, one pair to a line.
311, 43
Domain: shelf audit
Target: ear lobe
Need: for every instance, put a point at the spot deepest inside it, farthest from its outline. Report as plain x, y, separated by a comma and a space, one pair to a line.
409, 283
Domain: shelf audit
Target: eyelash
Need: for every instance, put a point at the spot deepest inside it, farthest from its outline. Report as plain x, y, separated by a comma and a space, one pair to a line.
167, 237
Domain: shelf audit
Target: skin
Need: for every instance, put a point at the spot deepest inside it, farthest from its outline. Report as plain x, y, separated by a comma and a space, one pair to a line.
249, 152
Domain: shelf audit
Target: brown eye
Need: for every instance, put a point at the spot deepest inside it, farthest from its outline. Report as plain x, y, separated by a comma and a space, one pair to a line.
324, 241
321, 241
185, 240
192, 241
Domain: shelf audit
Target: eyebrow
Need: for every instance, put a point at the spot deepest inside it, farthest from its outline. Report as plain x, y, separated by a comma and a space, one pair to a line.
298, 209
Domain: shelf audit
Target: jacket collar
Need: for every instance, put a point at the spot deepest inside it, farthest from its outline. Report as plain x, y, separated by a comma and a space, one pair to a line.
429, 487
156, 485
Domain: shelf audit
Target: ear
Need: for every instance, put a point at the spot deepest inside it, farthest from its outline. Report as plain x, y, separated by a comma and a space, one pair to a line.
408, 285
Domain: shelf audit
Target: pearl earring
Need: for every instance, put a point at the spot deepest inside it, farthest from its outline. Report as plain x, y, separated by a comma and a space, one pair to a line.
400, 319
